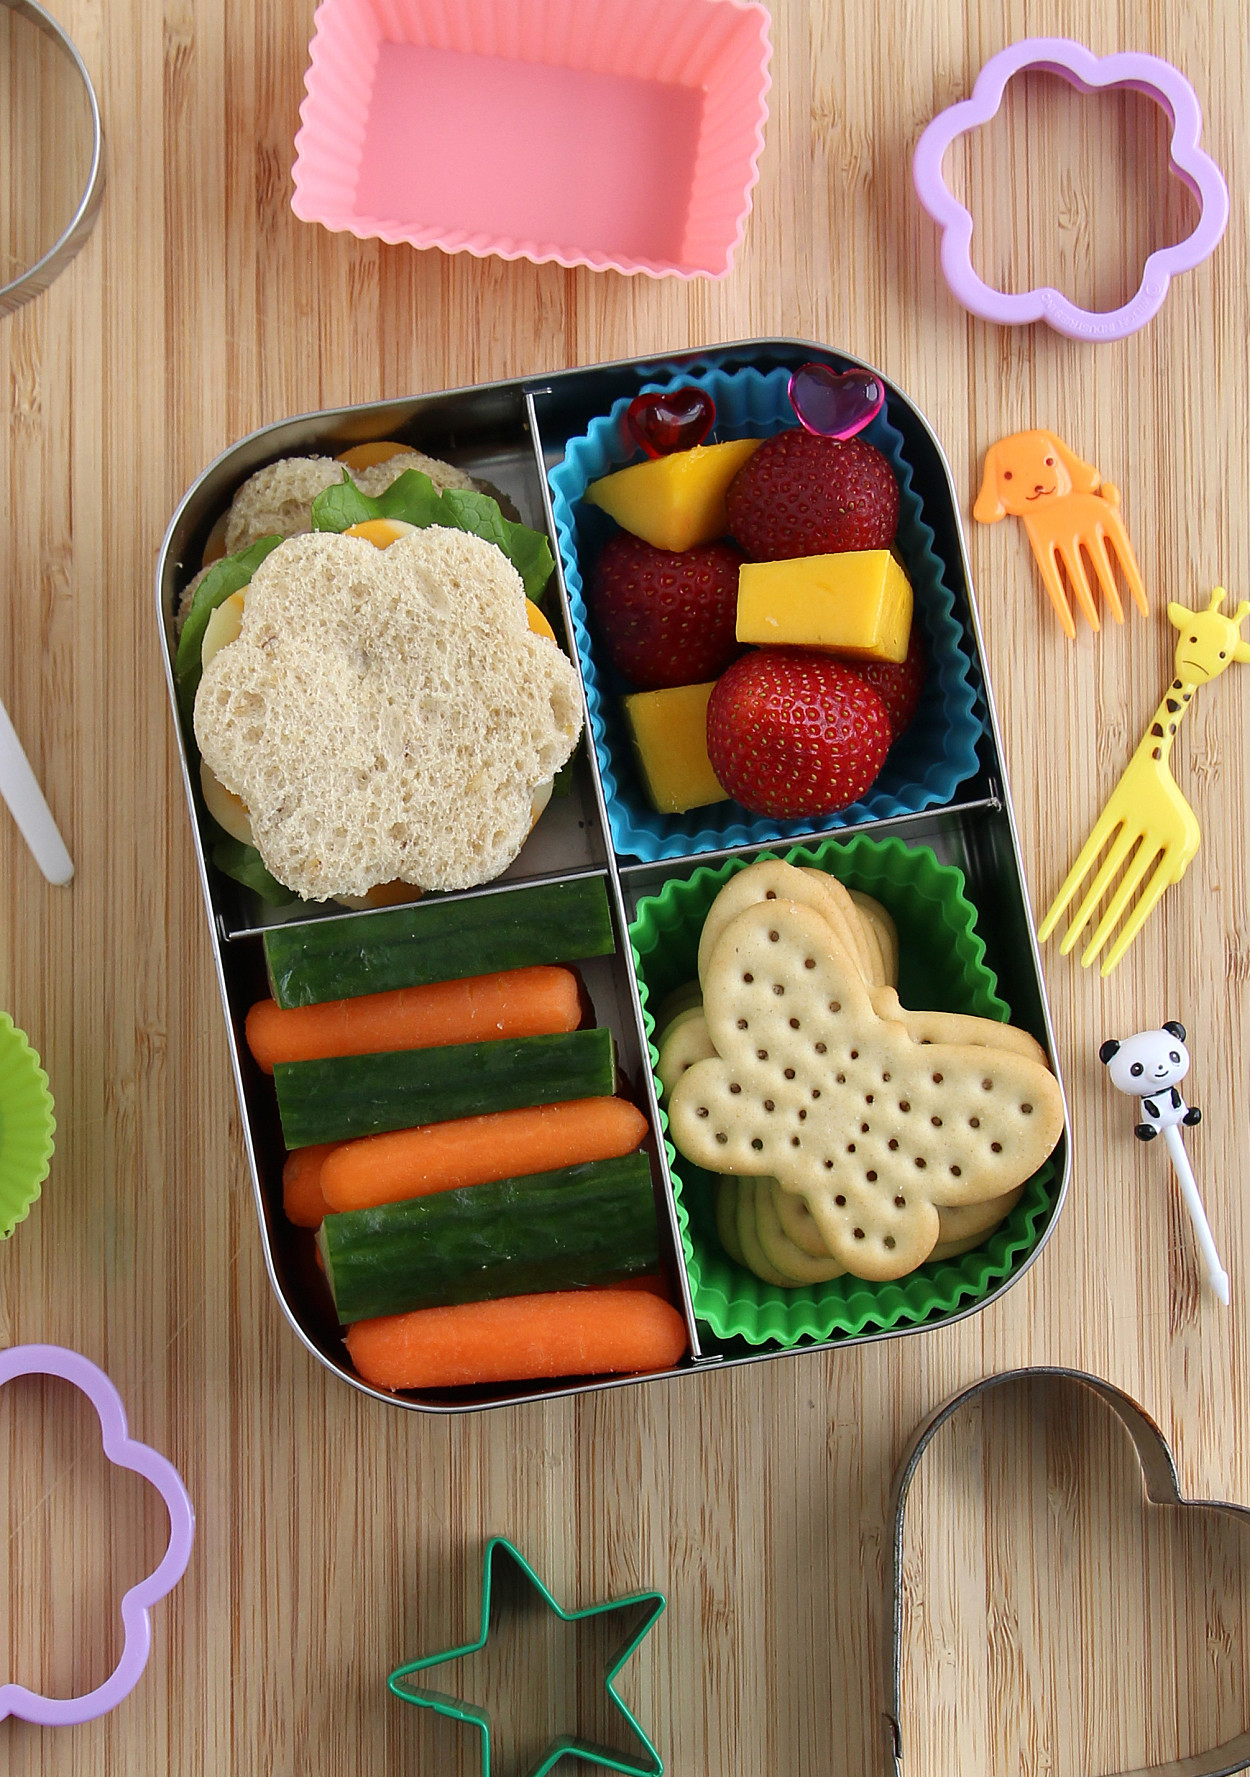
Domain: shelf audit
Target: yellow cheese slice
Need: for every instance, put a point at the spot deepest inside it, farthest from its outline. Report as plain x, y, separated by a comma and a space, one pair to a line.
384, 894
222, 627
228, 810
858, 603
364, 456
381, 532
215, 543
669, 732
675, 502
537, 622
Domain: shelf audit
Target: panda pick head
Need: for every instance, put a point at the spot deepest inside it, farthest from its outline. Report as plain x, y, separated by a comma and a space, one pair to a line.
1148, 1063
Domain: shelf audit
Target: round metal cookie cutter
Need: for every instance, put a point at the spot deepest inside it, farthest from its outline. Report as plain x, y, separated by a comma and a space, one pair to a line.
37, 277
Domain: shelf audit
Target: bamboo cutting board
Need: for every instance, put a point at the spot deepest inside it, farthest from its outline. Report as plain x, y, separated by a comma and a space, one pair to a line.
1052, 1624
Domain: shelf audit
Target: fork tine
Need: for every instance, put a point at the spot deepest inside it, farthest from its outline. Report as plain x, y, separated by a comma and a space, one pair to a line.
1161, 880
1124, 843
1096, 543
1142, 860
1075, 568
1117, 536
1052, 580
1106, 826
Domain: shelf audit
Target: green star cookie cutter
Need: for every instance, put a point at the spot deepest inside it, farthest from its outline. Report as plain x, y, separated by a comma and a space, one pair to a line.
499, 1548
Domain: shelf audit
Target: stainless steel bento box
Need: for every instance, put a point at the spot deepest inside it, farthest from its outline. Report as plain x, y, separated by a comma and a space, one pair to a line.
509, 436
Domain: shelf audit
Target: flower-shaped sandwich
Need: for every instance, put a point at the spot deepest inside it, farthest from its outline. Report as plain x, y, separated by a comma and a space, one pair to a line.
387, 714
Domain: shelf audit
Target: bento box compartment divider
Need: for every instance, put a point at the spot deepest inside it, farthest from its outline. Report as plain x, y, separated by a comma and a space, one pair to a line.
921, 827
472, 894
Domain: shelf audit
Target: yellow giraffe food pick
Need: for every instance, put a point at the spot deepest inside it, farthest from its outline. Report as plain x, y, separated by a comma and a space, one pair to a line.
1069, 512
1149, 824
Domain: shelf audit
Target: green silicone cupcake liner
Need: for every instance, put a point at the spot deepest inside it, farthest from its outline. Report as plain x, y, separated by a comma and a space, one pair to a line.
26, 1126
942, 967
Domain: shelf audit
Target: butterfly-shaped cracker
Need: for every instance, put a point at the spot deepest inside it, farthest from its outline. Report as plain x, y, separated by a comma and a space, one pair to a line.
809, 1084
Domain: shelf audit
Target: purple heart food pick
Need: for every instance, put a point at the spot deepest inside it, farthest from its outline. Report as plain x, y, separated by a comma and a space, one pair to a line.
677, 420
836, 403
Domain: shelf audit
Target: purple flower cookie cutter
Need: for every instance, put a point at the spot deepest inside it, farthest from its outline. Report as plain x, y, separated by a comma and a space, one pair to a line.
1089, 73
125, 1452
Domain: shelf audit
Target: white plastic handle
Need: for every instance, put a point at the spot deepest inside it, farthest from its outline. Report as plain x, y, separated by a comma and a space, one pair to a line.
28, 808
1217, 1277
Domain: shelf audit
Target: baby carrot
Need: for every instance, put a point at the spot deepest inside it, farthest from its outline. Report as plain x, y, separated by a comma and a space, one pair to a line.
533, 1002
478, 1150
650, 1280
301, 1186
517, 1338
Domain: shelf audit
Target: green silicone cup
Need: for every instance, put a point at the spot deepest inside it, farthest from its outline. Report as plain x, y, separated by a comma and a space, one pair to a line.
27, 1126
941, 968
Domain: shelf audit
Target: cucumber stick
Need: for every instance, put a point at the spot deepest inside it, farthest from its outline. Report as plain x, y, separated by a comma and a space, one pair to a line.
335, 1099
336, 959
577, 1227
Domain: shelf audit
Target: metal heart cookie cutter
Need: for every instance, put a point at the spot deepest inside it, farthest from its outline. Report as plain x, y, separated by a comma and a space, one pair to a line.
1088, 73
1162, 1487
125, 1452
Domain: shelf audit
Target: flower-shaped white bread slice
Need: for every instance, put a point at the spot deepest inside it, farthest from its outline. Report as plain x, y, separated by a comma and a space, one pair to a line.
277, 500
387, 714
875, 1130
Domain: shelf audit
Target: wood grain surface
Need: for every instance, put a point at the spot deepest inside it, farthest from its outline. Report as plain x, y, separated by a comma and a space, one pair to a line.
1051, 1624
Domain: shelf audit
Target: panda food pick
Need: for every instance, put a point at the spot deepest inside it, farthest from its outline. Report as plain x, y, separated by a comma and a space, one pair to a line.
1150, 1066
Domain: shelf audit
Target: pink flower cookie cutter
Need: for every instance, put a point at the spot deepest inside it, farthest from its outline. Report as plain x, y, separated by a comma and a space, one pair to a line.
1089, 73
125, 1452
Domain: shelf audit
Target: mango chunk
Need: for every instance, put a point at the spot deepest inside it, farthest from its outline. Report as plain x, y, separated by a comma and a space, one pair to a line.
858, 603
675, 502
669, 732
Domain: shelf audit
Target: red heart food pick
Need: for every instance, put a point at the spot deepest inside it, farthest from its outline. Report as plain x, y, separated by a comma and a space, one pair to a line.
835, 403
679, 420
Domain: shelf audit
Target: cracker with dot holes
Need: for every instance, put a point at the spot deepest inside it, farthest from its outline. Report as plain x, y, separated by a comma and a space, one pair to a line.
811, 1086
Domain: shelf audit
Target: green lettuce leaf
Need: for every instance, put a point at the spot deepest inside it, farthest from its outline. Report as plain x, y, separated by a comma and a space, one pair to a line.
243, 863
413, 498
226, 577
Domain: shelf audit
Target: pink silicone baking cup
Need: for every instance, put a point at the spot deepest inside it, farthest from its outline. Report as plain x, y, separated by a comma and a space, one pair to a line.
620, 134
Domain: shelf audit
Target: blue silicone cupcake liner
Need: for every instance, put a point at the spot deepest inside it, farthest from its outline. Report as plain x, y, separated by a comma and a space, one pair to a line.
927, 764
942, 967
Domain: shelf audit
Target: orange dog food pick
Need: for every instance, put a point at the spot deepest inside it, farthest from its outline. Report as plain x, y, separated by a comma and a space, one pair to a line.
1067, 508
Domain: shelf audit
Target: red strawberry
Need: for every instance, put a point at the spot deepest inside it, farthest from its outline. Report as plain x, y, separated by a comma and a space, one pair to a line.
793, 733
801, 494
900, 684
666, 617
